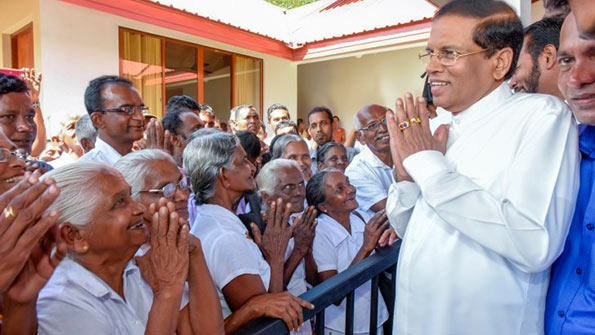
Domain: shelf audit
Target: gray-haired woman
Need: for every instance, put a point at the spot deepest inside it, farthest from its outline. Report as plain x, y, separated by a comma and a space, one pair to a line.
99, 287
293, 147
220, 173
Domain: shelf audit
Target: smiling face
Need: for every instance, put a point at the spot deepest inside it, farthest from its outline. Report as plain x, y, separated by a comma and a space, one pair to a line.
298, 151
116, 225
339, 194
164, 172
377, 139
12, 170
241, 175
576, 59
118, 126
190, 123
458, 86
290, 187
17, 119
336, 157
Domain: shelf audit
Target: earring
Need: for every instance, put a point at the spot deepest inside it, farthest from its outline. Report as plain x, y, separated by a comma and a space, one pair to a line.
85, 248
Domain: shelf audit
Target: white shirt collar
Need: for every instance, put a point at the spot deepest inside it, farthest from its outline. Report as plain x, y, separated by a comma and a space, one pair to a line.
110, 154
76, 274
339, 233
369, 157
483, 107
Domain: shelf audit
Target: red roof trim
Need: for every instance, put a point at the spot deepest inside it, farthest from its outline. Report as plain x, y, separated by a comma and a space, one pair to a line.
338, 3
179, 20
310, 48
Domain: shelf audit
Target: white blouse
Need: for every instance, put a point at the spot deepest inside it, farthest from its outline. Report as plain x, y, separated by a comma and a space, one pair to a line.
334, 249
228, 249
482, 224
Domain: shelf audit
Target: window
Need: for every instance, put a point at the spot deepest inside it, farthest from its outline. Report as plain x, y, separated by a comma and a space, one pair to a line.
161, 68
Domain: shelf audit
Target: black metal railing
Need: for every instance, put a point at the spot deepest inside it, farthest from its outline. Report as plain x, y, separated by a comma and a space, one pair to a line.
340, 286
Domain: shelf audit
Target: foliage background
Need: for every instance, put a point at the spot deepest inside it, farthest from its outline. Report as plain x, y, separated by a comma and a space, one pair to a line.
290, 3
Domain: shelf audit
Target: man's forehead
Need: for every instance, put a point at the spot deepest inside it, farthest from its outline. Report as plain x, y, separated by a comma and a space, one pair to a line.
120, 93
318, 116
452, 31
373, 112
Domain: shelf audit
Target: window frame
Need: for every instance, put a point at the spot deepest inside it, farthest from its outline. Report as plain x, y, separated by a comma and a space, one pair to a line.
200, 66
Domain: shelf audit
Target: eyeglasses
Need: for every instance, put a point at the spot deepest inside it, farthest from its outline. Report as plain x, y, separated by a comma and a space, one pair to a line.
128, 110
170, 189
375, 125
445, 57
18, 154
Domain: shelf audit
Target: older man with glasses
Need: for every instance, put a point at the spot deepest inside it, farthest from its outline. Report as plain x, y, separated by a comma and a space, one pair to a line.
116, 109
484, 204
371, 171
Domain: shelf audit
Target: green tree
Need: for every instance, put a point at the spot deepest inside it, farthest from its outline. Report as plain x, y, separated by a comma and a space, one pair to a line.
289, 4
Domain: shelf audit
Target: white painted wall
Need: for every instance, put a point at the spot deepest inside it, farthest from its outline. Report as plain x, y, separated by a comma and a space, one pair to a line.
14, 15
79, 44
346, 85
537, 11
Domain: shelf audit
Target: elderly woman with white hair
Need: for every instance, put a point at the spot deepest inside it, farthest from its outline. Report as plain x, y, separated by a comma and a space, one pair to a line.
282, 178
293, 147
220, 173
99, 287
154, 177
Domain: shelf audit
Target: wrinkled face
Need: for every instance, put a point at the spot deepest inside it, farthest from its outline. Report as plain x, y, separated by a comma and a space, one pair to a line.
339, 193
277, 116
336, 157
17, 119
583, 11
374, 131
208, 119
527, 74
164, 172
190, 123
576, 81
13, 168
117, 125
291, 187
117, 221
241, 174
321, 128
458, 86
298, 151
248, 119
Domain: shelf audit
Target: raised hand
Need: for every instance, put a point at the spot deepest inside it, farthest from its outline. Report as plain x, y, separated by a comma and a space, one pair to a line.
374, 230
273, 242
165, 266
33, 82
157, 138
23, 224
409, 129
305, 230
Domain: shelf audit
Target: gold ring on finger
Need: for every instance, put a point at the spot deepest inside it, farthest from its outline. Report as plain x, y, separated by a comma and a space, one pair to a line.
8, 212
404, 125
415, 120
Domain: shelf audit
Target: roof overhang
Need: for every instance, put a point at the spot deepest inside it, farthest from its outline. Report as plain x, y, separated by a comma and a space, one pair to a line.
179, 20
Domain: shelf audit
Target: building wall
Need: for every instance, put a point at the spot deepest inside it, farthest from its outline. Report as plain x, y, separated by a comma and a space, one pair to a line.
79, 44
14, 15
346, 85
537, 11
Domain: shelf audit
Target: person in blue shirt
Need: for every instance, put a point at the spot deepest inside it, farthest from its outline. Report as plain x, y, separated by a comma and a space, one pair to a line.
570, 305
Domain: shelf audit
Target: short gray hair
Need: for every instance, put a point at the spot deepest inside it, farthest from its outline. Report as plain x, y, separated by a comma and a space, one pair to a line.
233, 114
204, 157
282, 142
268, 177
78, 190
357, 124
136, 165
207, 109
84, 128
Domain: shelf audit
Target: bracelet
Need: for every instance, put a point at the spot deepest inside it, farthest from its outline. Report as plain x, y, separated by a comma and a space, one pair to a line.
36, 104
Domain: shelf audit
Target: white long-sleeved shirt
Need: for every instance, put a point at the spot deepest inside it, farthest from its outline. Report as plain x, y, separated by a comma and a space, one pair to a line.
482, 224
103, 152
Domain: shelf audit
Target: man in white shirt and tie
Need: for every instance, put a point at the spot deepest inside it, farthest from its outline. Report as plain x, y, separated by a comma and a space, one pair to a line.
484, 205
116, 110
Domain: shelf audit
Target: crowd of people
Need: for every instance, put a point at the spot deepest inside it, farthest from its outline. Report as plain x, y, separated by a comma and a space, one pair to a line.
125, 223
